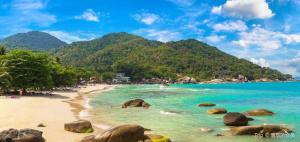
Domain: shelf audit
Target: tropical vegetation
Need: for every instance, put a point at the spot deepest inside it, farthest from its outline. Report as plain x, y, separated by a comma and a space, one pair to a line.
140, 59
25, 69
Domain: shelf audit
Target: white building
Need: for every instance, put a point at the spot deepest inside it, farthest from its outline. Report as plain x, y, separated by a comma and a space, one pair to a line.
121, 78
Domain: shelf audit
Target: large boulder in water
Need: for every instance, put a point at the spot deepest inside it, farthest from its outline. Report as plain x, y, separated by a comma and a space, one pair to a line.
235, 119
261, 130
80, 126
259, 112
123, 133
126, 133
217, 111
136, 103
23, 135
206, 105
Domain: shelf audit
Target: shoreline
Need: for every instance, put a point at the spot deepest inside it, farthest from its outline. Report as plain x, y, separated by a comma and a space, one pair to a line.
51, 110
80, 107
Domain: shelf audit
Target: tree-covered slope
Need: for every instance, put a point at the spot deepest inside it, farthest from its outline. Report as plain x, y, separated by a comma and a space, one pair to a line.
142, 58
33, 40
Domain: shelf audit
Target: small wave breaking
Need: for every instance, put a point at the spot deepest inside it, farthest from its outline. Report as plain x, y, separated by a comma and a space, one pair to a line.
168, 112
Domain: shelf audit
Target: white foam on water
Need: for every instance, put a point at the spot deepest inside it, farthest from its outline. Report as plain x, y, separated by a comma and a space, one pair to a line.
161, 87
87, 104
85, 112
225, 129
167, 113
102, 126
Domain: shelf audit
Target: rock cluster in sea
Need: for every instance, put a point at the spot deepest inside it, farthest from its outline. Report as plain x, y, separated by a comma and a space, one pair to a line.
235, 119
238, 122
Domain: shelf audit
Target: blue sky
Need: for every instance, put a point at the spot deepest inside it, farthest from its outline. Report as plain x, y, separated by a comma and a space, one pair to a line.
266, 32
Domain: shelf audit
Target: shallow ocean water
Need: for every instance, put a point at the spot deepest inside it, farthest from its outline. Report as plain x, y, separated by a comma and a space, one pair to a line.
174, 110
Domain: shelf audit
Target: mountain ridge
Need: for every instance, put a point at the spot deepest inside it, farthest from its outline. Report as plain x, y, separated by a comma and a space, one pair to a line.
33, 40
142, 58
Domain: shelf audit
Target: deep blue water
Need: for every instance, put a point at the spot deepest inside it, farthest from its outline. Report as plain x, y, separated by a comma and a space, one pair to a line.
174, 111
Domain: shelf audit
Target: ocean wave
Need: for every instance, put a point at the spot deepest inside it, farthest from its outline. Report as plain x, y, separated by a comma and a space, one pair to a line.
168, 112
87, 104
83, 114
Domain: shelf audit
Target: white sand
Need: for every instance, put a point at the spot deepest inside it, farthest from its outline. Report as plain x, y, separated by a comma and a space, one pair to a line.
53, 111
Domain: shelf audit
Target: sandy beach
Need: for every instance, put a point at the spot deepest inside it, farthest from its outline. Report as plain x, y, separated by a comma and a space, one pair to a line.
53, 111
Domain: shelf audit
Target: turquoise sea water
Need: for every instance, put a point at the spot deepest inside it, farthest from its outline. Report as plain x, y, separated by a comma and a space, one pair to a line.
174, 111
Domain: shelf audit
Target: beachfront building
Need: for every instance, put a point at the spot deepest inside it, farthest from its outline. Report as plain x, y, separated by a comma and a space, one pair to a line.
121, 78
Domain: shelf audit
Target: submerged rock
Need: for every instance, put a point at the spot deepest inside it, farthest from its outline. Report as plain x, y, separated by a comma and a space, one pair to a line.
235, 119
217, 111
261, 130
136, 103
23, 135
206, 105
219, 135
259, 112
156, 138
80, 126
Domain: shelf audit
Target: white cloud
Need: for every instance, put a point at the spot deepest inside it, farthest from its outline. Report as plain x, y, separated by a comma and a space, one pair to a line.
261, 62
69, 38
26, 13
266, 39
231, 26
291, 38
183, 3
298, 55
160, 35
250, 9
215, 38
216, 10
28, 4
286, 27
89, 15
146, 18
288, 66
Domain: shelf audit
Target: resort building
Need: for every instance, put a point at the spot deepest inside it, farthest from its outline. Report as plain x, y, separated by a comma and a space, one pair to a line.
121, 78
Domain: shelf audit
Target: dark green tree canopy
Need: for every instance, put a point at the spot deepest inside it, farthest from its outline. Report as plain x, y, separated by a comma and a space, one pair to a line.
28, 69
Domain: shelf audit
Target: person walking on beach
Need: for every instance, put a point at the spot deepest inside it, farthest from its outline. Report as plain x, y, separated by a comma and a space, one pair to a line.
21, 92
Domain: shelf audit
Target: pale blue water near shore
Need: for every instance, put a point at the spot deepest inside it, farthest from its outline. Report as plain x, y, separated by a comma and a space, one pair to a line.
174, 111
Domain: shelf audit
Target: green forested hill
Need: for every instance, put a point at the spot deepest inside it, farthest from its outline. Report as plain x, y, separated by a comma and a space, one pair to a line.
33, 40
142, 58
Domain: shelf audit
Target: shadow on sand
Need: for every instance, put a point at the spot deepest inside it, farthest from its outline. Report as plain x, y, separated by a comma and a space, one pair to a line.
37, 95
